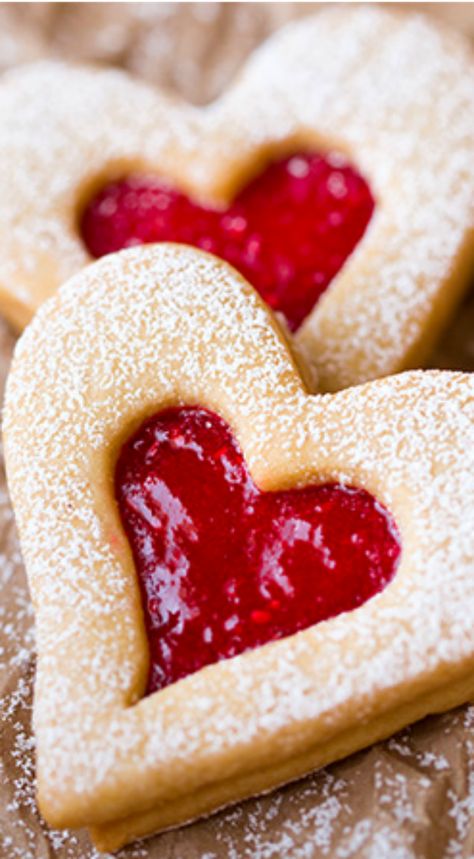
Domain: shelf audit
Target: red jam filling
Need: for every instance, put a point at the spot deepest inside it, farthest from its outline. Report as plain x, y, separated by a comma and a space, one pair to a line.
224, 567
288, 231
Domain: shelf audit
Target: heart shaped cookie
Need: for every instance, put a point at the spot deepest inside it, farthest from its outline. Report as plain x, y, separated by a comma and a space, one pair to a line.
160, 353
388, 95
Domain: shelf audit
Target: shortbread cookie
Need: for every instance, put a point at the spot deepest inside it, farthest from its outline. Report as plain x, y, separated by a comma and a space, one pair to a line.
355, 129
154, 398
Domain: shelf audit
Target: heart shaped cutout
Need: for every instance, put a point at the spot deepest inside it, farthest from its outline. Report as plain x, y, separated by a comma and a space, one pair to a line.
164, 327
288, 232
411, 142
224, 567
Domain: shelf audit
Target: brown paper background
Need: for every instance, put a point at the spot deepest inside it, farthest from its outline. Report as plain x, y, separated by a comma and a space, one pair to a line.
411, 797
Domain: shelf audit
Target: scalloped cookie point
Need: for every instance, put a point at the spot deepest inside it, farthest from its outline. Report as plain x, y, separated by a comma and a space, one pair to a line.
396, 97
146, 330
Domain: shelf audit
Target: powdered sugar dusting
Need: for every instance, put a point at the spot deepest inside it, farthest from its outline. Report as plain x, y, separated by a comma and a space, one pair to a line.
415, 84
261, 821
159, 325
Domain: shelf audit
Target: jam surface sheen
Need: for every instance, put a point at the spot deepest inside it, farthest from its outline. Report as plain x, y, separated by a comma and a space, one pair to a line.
224, 567
288, 231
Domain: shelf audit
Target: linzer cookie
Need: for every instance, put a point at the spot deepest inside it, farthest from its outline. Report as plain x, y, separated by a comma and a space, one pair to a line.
234, 582
335, 175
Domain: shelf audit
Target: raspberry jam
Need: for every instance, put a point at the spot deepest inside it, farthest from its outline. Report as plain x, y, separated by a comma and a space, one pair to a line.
288, 232
224, 567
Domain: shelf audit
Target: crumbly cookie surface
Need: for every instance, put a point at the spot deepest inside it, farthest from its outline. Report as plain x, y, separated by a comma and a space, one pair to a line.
162, 325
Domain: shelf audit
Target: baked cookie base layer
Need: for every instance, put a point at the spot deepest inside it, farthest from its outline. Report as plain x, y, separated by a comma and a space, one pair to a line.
115, 835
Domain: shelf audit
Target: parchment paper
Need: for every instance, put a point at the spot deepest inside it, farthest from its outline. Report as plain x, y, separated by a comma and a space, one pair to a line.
411, 797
